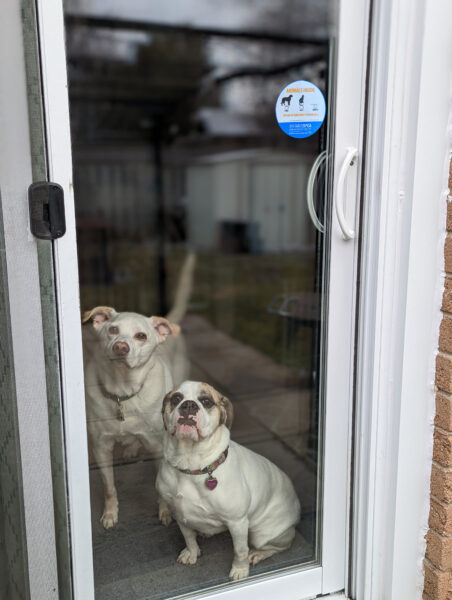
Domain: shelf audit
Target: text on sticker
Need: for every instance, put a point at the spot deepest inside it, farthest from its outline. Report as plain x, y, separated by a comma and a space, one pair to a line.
300, 90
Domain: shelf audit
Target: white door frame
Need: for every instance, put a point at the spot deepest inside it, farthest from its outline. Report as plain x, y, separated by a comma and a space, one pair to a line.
331, 575
56, 110
404, 219
24, 313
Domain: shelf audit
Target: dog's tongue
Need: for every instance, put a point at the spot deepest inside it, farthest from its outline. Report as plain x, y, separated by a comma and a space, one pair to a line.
185, 428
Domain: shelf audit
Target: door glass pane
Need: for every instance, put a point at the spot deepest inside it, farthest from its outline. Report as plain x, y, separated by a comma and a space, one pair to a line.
191, 205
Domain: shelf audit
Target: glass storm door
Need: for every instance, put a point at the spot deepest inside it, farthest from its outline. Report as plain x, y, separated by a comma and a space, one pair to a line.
192, 205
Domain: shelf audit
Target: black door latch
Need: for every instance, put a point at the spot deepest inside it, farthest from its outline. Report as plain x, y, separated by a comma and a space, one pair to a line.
46, 205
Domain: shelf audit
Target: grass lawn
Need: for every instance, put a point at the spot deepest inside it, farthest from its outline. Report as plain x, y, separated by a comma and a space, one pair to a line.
232, 291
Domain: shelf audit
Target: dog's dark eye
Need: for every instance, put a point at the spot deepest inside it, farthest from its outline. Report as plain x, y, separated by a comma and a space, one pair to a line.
113, 329
206, 401
141, 336
176, 398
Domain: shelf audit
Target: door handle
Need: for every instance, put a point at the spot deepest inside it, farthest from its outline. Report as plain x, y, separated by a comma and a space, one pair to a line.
310, 191
347, 232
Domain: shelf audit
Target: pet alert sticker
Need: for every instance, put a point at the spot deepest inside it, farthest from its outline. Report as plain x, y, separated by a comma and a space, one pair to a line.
300, 109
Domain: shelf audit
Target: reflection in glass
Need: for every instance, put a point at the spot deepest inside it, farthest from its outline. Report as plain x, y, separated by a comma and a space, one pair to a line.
191, 204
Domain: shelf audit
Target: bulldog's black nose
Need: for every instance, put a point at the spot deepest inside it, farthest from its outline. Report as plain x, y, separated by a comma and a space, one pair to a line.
121, 348
188, 408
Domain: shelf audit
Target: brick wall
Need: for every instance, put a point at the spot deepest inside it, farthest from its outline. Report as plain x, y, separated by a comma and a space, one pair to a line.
438, 556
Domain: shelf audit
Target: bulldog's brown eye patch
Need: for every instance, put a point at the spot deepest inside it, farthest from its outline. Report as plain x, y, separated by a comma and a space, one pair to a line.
176, 398
142, 337
113, 330
206, 401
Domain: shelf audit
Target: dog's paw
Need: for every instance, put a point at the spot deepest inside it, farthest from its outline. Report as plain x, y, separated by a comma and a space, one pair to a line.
255, 556
187, 558
165, 516
239, 572
109, 519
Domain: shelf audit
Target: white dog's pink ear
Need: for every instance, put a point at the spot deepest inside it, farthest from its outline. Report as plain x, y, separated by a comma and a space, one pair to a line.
164, 328
98, 315
227, 412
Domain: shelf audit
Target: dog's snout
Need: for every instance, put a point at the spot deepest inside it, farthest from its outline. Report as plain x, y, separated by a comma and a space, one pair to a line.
188, 408
121, 348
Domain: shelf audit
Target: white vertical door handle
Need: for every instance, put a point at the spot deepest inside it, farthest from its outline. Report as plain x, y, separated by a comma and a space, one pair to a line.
350, 158
310, 191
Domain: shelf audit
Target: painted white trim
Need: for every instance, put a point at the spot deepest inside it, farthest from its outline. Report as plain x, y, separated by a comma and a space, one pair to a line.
351, 69
56, 109
403, 234
25, 310
301, 585
424, 294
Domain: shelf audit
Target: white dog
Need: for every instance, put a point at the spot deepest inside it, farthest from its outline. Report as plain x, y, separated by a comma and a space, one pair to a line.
212, 484
126, 377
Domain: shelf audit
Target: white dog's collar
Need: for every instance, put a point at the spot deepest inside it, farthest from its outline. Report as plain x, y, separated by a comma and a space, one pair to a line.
118, 400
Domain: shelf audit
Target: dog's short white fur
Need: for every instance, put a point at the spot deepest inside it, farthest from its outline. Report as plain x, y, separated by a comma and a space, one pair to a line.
123, 361
253, 498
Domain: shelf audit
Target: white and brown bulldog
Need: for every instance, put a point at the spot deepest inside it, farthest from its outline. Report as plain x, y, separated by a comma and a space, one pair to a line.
126, 377
212, 484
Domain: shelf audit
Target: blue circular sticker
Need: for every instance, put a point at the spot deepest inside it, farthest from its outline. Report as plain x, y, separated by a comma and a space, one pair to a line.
300, 109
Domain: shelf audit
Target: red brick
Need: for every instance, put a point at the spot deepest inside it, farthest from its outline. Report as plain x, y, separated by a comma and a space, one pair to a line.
442, 448
447, 295
448, 254
440, 519
444, 373
436, 583
439, 550
445, 334
449, 212
443, 416
441, 484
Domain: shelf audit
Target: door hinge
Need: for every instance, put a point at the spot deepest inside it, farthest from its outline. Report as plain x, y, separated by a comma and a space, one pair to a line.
46, 206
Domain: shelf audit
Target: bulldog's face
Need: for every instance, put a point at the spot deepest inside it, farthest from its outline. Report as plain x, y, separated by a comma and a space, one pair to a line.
127, 338
194, 410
